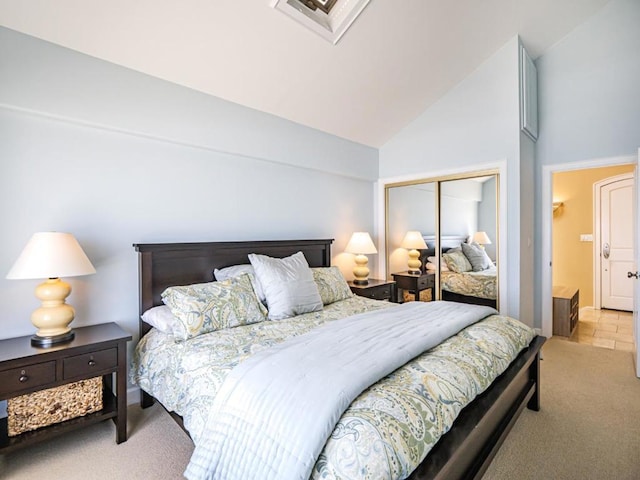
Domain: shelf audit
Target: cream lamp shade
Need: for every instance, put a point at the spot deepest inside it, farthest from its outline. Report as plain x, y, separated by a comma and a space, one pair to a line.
361, 245
481, 238
413, 241
52, 255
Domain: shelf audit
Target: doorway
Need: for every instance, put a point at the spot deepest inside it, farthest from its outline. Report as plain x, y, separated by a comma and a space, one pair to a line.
572, 249
585, 256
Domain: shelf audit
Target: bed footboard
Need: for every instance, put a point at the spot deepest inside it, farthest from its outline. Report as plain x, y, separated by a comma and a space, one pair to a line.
466, 451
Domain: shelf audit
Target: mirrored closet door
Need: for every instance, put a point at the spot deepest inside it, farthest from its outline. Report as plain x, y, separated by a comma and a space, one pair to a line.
442, 238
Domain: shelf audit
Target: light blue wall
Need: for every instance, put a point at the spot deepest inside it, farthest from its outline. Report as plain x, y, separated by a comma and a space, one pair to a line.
589, 89
589, 97
118, 157
46, 78
475, 125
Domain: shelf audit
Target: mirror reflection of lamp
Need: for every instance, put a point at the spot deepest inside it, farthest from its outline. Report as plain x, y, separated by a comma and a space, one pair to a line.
361, 245
413, 241
481, 238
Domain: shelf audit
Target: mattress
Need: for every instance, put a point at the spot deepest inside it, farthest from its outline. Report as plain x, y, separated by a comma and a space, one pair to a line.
388, 429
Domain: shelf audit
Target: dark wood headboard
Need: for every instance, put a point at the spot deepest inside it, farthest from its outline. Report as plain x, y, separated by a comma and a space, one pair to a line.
162, 265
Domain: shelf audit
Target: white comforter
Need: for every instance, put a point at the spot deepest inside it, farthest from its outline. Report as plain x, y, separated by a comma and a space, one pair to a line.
276, 410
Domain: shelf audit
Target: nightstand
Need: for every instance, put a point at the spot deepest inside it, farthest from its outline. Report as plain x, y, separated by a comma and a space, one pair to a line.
415, 283
376, 289
97, 350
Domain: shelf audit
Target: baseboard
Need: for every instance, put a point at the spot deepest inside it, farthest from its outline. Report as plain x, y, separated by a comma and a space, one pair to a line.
133, 395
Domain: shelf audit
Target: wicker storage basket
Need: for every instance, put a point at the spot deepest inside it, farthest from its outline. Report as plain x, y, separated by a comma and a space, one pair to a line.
54, 405
425, 295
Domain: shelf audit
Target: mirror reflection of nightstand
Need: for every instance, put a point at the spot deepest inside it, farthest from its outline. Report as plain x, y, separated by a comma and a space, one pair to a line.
376, 289
414, 283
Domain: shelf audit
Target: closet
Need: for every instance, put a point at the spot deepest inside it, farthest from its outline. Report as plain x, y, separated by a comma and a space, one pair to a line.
457, 219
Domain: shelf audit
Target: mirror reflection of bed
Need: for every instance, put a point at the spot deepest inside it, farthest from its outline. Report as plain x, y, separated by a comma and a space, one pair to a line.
465, 211
470, 285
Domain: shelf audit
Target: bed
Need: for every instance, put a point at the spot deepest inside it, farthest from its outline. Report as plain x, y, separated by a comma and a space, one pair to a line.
465, 451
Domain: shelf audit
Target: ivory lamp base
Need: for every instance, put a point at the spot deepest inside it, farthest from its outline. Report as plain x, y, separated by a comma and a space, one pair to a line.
53, 317
361, 272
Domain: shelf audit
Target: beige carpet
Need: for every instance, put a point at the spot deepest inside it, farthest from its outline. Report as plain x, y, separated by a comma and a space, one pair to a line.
589, 424
156, 449
588, 428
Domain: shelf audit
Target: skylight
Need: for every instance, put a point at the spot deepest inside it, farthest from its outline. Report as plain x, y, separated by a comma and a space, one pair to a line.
328, 18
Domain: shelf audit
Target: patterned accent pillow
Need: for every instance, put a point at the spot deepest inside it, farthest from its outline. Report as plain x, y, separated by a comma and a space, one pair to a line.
457, 262
331, 284
477, 257
206, 307
237, 270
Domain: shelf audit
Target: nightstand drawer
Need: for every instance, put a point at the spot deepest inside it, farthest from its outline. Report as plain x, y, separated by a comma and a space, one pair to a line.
90, 362
383, 292
18, 379
426, 281
376, 289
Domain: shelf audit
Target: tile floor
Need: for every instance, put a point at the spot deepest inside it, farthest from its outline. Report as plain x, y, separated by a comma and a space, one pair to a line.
604, 328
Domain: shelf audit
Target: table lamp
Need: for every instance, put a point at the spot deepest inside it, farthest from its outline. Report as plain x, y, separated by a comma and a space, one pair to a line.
361, 244
413, 241
481, 238
52, 255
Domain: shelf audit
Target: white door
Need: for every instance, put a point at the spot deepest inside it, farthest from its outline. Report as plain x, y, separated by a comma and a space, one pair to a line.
617, 242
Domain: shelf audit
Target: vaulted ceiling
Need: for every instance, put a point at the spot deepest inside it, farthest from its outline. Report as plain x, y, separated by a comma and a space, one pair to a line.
398, 57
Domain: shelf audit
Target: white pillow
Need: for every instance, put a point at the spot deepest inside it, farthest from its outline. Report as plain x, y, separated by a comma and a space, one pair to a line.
287, 284
161, 318
235, 271
431, 265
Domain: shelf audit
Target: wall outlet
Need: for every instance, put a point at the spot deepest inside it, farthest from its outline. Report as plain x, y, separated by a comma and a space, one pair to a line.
586, 237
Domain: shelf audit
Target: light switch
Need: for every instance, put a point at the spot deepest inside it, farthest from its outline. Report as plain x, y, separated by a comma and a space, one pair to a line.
586, 237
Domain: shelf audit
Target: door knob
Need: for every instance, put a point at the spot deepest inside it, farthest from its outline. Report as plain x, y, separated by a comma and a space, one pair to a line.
606, 250
635, 275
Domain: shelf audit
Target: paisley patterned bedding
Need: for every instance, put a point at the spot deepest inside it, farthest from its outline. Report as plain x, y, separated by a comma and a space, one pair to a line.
387, 431
481, 284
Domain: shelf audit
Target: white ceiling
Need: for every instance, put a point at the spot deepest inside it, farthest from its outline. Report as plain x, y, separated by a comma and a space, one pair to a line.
398, 57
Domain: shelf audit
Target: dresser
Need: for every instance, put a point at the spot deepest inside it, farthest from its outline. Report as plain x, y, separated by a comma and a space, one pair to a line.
566, 306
